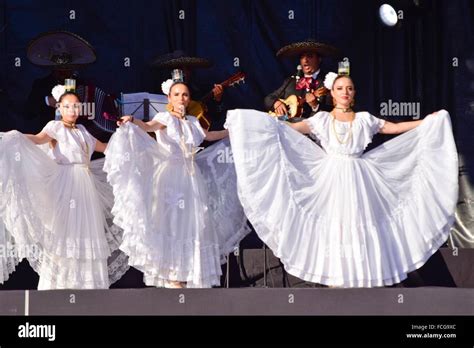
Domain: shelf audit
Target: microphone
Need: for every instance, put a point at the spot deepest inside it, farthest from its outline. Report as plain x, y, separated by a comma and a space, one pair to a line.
182, 110
299, 72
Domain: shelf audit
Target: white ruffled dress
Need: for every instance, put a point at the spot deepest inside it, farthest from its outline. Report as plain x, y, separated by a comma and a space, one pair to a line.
336, 215
179, 210
56, 204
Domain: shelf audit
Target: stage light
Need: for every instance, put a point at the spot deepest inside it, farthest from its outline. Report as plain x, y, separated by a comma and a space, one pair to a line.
388, 15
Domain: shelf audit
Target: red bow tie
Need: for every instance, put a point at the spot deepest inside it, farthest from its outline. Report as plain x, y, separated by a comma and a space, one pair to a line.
306, 83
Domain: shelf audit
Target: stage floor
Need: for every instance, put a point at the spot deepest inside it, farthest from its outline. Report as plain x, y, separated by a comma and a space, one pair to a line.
244, 301
426, 292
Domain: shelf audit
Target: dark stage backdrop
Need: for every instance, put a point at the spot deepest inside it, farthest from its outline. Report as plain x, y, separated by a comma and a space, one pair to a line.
429, 59
412, 63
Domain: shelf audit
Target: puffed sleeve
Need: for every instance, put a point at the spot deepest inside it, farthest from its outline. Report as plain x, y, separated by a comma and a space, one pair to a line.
316, 125
163, 117
198, 127
51, 129
91, 140
374, 123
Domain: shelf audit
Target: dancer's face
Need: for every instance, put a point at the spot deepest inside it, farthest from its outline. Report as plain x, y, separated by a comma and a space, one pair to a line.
343, 92
179, 96
69, 108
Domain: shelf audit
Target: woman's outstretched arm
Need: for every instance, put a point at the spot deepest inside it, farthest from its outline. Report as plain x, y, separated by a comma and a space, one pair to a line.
301, 127
149, 126
40, 138
398, 128
100, 146
401, 127
216, 135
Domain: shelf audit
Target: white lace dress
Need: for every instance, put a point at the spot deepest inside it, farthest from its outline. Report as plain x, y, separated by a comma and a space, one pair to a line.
8, 257
56, 205
335, 215
179, 210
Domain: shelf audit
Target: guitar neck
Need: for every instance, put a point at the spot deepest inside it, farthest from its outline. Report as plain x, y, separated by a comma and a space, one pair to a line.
229, 82
209, 95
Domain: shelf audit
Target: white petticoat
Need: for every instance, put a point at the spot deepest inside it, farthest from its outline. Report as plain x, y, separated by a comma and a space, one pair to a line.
339, 218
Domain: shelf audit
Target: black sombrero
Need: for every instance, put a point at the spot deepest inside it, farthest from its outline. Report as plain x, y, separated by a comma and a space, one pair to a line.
179, 60
298, 48
60, 49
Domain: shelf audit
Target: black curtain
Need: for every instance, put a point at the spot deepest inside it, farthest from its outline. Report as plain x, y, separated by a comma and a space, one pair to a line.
411, 63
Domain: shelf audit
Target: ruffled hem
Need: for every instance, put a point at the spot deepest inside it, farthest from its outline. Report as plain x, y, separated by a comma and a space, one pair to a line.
373, 282
8, 254
7, 263
396, 277
232, 244
61, 273
117, 265
227, 214
174, 260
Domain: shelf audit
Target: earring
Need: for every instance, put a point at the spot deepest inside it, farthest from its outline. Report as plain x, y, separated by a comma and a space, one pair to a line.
352, 102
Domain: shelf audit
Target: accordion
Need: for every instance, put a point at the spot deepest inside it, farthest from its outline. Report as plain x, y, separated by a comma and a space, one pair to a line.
99, 107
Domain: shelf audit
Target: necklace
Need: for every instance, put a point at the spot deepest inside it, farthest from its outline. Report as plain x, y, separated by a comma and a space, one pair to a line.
188, 151
345, 110
71, 125
349, 134
85, 150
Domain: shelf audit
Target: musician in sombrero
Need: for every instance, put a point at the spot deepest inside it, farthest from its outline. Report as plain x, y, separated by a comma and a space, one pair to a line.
206, 111
65, 53
302, 95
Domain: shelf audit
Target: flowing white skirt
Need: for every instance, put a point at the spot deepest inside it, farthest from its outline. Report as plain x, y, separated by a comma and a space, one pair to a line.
174, 224
8, 251
344, 221
59, 217
8, 256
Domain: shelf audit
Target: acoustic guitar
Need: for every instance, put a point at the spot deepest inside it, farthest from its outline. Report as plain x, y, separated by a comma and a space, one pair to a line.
294, 104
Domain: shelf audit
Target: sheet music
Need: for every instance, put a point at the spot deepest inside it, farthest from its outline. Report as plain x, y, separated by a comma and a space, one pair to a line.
133, 104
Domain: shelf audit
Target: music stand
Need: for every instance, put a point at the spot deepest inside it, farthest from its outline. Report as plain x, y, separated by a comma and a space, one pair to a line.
139, 104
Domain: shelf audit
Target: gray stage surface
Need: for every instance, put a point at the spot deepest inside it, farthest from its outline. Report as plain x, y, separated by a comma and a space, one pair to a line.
300, 299
244, 301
